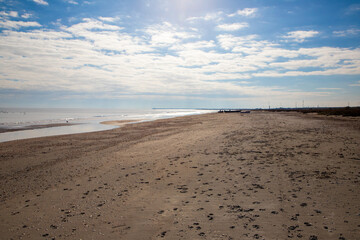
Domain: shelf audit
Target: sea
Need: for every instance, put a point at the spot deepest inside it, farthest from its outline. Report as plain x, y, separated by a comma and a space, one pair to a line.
80, 120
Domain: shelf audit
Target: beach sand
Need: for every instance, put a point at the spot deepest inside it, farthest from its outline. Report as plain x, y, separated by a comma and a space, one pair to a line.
214, 176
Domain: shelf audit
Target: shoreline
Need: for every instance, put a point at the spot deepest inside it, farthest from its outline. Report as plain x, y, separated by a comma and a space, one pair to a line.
60, 131
11, 133
34, 127
209, 176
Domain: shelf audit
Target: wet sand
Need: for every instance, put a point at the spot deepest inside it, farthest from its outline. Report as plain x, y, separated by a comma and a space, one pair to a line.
214, 176
33, 127
120, 122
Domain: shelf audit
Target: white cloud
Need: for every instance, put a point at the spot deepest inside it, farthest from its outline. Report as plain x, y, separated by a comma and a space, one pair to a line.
208, 17
248, 44
84, 68
194, 45
264, 55
232, 26
91, 24
38, 34
26, 15
346, 33
72, 2
323, 72
41, 2
322, 61
300, 36
106, 37
17, 24
228, 41
109, 19
166, 34
9, 14
13, 14
163, 59
247, 12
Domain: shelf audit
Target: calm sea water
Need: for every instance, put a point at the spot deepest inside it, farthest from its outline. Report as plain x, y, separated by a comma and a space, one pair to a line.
86, 120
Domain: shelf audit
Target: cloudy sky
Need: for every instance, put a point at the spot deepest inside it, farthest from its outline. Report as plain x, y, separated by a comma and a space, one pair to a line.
179, 53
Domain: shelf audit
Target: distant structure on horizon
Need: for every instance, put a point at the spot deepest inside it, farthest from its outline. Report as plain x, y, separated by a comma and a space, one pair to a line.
233, 111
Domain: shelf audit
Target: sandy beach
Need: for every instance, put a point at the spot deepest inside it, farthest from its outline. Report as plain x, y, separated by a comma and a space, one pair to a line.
213, 176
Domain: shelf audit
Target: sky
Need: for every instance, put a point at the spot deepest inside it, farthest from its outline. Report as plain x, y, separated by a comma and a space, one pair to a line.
179, 53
